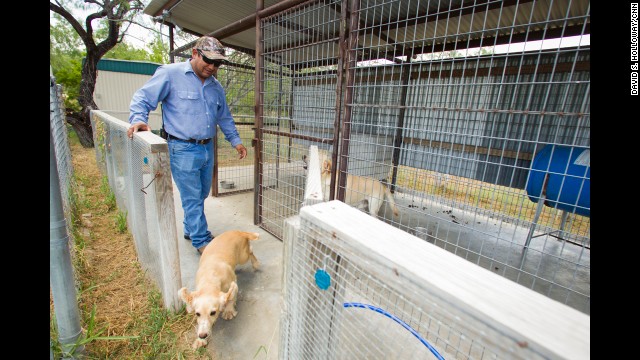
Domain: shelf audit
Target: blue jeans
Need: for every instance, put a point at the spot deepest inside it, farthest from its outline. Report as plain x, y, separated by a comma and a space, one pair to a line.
192, 170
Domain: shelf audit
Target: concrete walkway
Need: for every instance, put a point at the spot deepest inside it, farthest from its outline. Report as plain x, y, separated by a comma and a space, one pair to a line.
254, 332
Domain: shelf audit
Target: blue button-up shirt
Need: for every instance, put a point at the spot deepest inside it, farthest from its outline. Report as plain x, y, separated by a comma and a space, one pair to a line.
190, 109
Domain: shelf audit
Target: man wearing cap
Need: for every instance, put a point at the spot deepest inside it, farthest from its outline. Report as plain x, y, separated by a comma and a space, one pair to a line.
193, 105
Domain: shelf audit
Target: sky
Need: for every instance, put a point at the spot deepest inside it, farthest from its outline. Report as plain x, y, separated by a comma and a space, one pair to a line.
580, 40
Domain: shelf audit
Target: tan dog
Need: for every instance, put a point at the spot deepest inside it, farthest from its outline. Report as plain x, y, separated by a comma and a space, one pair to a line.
360, 190
216, 288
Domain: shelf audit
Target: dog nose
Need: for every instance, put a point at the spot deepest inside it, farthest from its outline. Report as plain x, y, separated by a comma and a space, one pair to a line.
203, 336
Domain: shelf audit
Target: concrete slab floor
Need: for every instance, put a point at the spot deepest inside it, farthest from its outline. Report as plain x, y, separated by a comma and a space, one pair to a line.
254, 332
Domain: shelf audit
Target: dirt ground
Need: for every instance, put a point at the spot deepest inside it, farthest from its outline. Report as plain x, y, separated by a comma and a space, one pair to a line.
123, 300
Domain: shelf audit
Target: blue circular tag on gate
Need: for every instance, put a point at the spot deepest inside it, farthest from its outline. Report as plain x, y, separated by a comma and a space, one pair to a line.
323, 280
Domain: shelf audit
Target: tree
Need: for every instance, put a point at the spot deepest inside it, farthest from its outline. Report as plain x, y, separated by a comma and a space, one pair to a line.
116, 17
159, 51
240, 85
65, 58
124, 51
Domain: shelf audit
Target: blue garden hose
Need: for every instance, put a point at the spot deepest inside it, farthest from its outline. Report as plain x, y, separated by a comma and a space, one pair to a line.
396, 319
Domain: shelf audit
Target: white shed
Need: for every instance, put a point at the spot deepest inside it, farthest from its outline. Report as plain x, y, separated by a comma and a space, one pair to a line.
116, 82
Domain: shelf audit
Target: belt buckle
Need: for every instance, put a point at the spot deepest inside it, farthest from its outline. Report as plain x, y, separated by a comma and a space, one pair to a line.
201, 142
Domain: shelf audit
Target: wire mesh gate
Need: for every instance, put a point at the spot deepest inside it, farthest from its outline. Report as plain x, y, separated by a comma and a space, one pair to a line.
449, 104
231, 175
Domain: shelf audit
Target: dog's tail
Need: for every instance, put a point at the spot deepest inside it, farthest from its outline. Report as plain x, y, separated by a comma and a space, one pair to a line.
390, 199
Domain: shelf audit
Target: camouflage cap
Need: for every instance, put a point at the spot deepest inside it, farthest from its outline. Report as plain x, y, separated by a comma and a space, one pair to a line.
211, 48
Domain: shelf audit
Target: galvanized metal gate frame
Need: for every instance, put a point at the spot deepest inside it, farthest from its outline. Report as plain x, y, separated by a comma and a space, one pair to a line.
344, 95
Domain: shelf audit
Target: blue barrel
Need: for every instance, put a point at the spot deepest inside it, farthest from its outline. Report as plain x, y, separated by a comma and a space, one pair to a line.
569, 183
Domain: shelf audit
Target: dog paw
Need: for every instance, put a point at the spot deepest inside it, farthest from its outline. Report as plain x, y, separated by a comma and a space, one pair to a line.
229, 314
199, 343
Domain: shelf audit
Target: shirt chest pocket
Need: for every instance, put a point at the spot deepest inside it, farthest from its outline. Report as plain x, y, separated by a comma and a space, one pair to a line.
189, 103
188, 95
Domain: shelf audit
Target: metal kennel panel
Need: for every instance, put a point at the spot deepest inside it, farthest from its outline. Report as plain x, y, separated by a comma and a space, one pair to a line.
357, 288
298, 103
453, 105
469, 94
231, 175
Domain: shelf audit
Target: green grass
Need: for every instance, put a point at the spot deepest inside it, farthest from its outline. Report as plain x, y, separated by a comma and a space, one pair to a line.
71, 135
121, 222
109, 195
261, 348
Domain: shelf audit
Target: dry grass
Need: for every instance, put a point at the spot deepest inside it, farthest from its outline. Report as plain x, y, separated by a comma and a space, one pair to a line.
509, 202
121, 309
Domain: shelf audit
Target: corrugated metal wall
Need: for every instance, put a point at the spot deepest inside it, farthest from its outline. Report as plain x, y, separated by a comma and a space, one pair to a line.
443, 130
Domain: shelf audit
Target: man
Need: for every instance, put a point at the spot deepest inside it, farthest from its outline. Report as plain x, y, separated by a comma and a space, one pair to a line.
193, 104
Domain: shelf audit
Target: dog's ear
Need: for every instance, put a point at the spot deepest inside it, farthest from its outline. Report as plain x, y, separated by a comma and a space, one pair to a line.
186, 297
231, 294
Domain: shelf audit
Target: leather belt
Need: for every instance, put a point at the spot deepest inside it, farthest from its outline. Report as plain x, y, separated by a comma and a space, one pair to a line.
201, 142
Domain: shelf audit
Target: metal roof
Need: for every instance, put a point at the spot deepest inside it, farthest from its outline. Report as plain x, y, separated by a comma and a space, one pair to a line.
206, 16
477, 22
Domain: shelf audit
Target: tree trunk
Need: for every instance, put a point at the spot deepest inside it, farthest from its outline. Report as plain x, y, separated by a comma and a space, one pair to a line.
81, 122
82, 126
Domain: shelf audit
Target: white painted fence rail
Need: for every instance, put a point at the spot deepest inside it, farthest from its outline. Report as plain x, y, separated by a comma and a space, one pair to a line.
140, 176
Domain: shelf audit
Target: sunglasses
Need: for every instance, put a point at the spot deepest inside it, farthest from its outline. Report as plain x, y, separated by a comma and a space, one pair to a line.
213, 62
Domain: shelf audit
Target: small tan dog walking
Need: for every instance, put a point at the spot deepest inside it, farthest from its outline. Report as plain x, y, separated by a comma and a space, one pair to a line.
216, 288
360, 190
